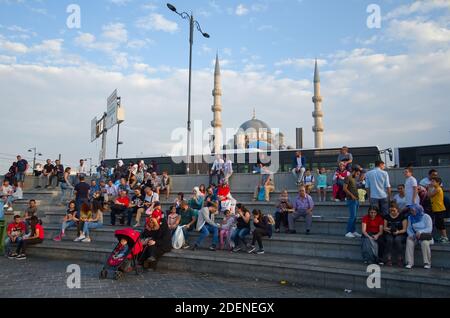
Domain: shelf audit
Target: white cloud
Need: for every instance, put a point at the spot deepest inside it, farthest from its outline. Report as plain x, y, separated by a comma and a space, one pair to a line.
144, 68
157, 22
115, 32
13, 47
89, 41
53, 46
241, 10
120, 2
300, 63
421, 6
421, 33
4, 59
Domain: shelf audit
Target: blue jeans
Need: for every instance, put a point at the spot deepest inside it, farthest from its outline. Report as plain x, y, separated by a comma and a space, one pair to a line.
19, 242
186, 233
64, 189
205, 231
353, 206
68, 224
382, 205
239, 235
91, 225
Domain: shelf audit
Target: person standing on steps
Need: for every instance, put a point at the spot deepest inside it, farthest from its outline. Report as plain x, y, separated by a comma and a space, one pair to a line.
378, 187
351, 192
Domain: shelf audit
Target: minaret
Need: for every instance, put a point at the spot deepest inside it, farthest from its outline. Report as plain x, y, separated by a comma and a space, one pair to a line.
318, 128
217, 109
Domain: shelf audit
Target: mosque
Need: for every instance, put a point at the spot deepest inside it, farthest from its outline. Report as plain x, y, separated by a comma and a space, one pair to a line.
255, 133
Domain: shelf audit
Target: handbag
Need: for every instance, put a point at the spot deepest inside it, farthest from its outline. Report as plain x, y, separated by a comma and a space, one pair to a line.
426, 237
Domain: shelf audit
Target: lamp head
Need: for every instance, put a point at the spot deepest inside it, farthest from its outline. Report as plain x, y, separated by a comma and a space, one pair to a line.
206, 35
171, 7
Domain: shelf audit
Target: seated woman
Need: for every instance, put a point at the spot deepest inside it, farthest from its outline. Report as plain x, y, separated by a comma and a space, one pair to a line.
338, 179
283, 208
70, 220
95, 222
242, 227
420, 227
395, 225
372, 230
226, 200
36, 235
85, 216
262, 228
156, 240
173, 219
196, 202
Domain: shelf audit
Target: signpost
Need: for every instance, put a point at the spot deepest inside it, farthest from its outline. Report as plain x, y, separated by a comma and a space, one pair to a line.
115, 115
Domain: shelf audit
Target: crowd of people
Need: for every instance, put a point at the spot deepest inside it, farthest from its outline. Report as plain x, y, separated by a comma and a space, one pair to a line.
389, 232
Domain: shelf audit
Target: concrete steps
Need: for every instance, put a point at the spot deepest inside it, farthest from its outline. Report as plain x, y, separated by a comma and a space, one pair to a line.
284, 244
310, 271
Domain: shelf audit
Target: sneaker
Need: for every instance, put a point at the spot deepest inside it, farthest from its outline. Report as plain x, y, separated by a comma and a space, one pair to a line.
236, 249
259, 252
251, 249
137, 225
350, 235
356, 234
444, 240
427, 266
87, 240
381, 263
408, 266
212, 248
21, 257
79, 239
12, 256
277, 231
185, 246
10, 209
57, 238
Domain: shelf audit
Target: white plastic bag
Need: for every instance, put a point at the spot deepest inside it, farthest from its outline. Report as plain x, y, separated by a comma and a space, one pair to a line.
178, 238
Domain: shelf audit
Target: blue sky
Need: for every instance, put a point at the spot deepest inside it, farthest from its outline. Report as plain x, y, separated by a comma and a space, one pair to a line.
59, 78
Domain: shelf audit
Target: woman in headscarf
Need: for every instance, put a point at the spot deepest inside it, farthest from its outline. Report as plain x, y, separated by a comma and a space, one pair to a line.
157, 240
196, 202
420, 228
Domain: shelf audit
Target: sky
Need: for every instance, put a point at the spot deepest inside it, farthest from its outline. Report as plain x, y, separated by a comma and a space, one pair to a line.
384, 82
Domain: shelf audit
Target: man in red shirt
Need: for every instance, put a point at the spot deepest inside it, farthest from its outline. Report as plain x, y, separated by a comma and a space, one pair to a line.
15, 232
120, 207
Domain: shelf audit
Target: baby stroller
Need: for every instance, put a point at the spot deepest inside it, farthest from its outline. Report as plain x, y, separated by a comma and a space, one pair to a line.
123, 258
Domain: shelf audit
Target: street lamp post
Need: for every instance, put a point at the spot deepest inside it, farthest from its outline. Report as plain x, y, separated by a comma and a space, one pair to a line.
34, 156
192, 24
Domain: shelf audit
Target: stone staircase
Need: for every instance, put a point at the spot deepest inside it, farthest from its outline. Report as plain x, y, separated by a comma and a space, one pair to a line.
324, 259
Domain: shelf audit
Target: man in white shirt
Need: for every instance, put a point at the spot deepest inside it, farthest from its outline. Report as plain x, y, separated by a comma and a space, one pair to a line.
411, 192
378, 187
228, 170
217, 169
82, 170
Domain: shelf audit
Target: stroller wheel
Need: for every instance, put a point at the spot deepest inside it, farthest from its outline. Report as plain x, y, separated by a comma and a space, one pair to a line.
118, 275
103, 274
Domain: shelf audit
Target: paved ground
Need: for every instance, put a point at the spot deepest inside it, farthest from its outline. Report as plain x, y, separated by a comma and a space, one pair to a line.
47, 278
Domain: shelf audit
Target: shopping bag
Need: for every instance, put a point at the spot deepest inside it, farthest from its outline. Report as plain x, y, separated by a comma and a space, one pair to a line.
178, 238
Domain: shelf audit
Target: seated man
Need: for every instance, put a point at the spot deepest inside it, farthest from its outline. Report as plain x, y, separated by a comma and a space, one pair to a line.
303, 207
120, 207
166, 184
15, 233
8, 191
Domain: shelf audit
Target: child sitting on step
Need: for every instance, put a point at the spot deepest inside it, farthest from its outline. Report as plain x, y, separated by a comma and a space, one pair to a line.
226, 228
